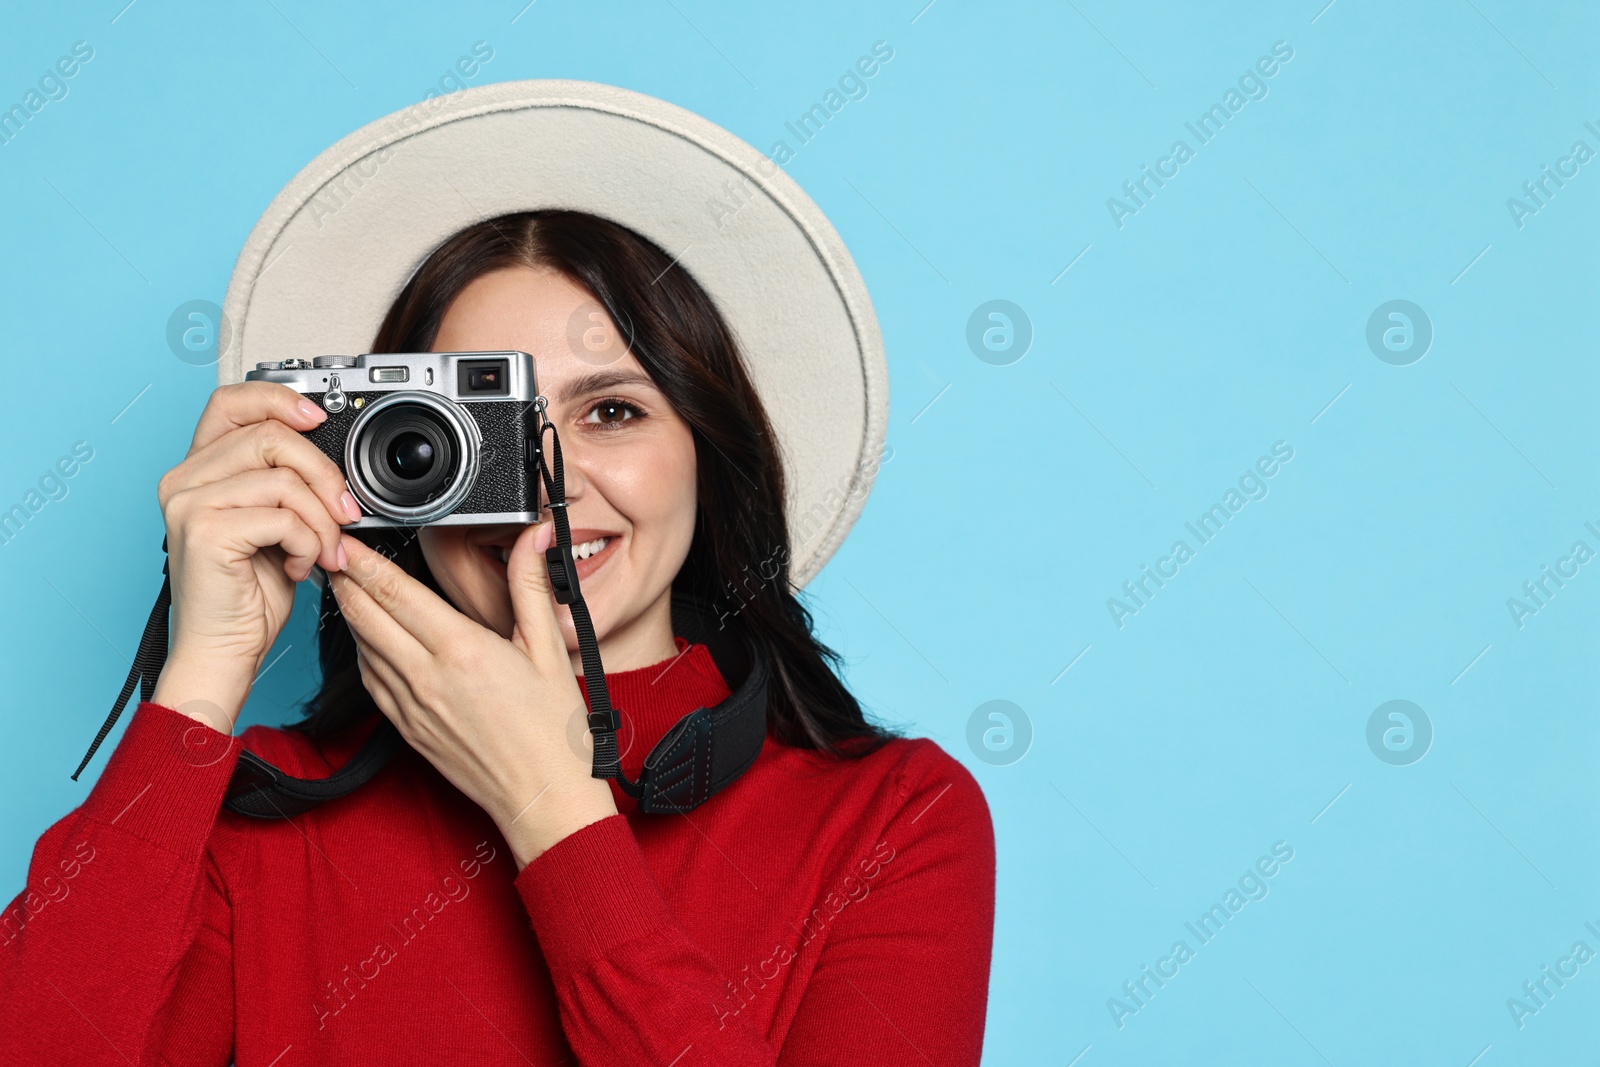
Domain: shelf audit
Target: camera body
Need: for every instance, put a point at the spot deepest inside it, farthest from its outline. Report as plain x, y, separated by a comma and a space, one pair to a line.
426, 438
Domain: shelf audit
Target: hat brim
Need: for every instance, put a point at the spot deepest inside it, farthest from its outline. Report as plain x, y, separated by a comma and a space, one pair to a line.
332, 251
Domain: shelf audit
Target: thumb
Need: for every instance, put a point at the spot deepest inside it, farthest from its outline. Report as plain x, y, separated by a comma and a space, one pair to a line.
532, 603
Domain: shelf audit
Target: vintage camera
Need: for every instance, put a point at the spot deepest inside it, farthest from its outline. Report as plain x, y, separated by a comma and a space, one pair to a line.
426, 438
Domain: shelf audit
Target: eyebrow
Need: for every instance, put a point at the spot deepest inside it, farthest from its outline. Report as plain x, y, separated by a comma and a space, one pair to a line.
602, 380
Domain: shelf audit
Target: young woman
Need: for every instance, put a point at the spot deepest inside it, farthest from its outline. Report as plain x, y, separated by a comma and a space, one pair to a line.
484, 899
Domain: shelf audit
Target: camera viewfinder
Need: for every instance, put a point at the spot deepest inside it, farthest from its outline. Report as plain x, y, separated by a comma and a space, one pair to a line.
483, 377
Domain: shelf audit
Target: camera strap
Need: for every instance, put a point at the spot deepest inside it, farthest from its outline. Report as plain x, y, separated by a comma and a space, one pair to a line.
700, 755
704, 750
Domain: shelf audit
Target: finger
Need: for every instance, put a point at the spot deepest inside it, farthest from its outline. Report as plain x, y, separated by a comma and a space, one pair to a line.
247, 530
370, 621
260, 445
408, 603
276, 487
379, 669
377, 683
532, 603
233, 406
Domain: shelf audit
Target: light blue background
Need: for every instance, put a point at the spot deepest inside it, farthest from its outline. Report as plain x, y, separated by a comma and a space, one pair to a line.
1223, 317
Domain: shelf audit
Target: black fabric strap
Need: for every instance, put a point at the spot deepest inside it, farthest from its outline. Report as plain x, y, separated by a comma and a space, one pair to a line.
147, 662
710, 747
261, 790
603, 720
701, 754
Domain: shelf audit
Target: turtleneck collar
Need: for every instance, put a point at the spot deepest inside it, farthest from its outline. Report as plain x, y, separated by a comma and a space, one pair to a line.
650, 700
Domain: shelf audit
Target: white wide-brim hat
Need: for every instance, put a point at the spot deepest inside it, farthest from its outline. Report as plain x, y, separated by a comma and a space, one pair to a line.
336, 245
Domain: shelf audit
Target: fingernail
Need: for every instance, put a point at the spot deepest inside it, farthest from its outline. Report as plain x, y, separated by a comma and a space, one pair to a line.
311, 411
545, 537
343, 557
348, 502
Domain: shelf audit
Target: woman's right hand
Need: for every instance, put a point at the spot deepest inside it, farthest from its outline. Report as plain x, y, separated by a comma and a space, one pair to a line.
249, 511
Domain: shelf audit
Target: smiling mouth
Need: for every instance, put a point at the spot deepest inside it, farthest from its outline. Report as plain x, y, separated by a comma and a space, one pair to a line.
590, 556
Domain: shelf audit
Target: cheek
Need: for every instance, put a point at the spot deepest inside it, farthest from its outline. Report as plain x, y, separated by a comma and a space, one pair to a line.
433, 543
435, 550
655, 487
465, 579
448, 557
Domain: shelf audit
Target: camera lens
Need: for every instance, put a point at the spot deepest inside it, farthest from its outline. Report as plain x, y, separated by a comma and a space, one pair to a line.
410, 455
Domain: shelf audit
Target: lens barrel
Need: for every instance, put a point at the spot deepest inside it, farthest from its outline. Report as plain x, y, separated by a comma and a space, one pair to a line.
412, 457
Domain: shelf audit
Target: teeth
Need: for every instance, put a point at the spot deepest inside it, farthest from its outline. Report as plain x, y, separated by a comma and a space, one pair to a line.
583, 551
589, 548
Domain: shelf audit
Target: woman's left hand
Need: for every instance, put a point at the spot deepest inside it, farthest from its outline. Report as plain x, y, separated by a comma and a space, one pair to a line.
492, 714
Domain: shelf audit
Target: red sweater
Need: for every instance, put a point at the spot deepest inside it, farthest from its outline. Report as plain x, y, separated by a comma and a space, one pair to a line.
815, 911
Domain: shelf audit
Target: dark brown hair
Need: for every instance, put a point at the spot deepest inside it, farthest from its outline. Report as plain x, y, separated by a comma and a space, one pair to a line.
739, 558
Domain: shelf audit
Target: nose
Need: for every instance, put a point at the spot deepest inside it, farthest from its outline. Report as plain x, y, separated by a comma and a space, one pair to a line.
575, 481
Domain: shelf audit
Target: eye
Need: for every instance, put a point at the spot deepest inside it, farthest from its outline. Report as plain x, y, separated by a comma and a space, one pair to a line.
610, 413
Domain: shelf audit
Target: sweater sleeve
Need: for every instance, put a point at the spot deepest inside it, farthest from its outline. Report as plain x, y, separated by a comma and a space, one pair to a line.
897, 982
904, 976
631, 985
116, 951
